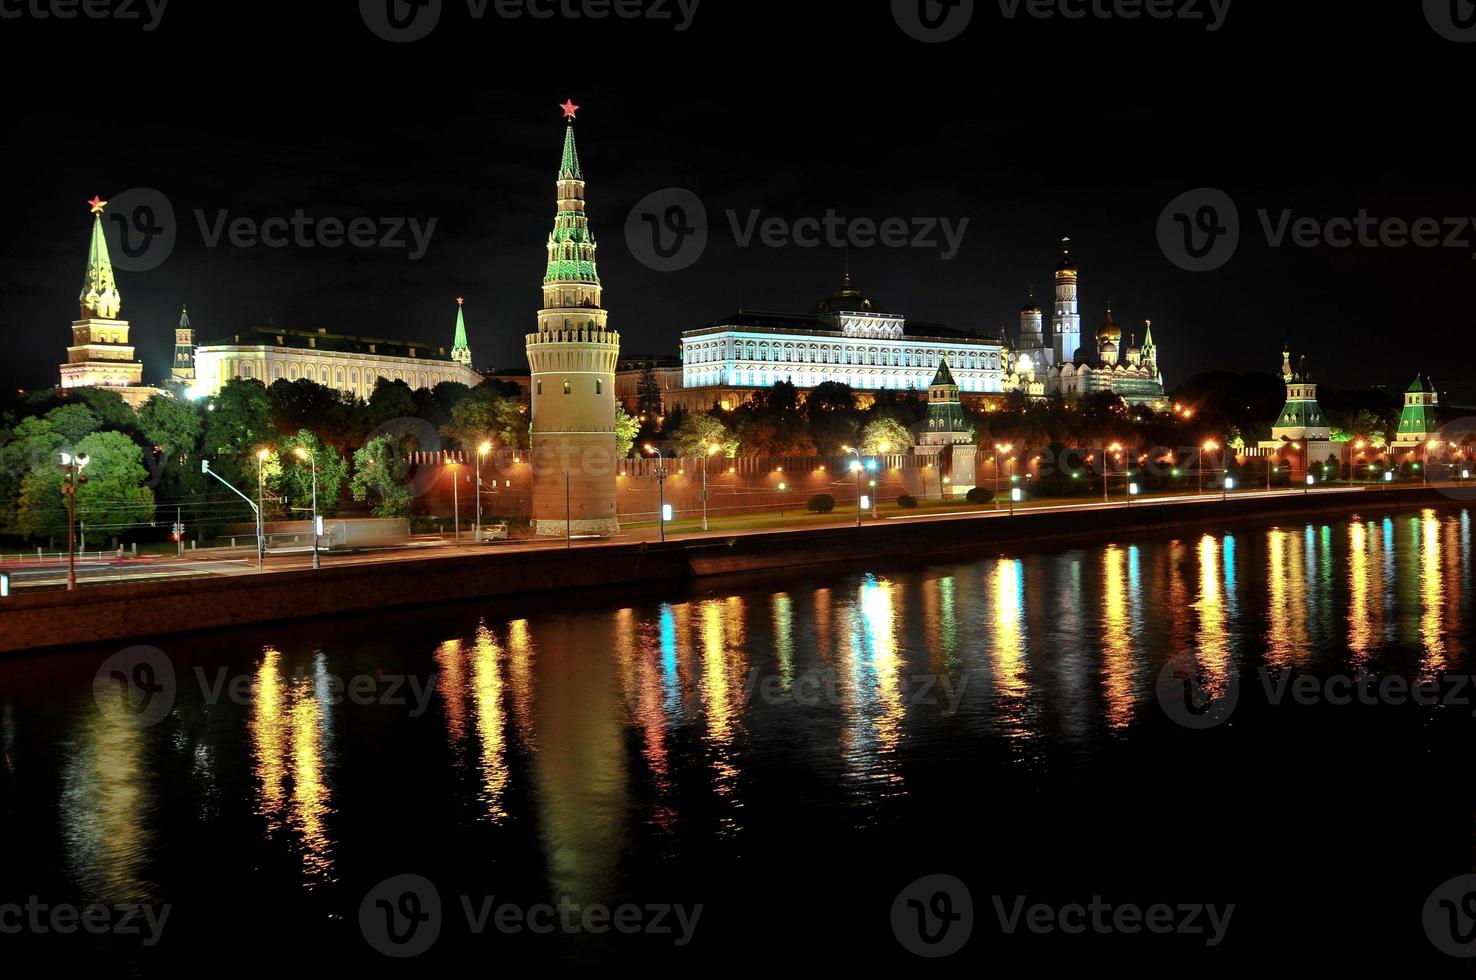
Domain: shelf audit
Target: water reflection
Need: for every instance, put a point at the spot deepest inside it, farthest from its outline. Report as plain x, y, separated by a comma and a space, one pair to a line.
291, 737
107, 799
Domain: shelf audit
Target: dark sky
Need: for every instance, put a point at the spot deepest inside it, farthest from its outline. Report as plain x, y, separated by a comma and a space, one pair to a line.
1030, 128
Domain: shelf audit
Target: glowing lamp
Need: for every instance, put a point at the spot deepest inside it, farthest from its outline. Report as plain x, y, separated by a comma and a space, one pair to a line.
667, 513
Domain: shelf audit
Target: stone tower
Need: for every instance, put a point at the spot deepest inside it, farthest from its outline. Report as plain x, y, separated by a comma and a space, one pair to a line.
572, 358
100, 355
1032, 324
1066, 320
184, 349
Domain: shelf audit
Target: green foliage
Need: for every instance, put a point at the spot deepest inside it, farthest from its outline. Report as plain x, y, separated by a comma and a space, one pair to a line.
73, 423
297, 475
887, 432
113, 498
380, 469
32, 445
485, 415
239, 420
391, 400
648, 392
907, 501
700, 431
627, 427
821, 503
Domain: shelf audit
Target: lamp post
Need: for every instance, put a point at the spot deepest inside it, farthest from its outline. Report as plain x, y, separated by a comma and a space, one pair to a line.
858, 468
1209, 446
72, 478
712, 451
482, 450
256, 507
261, 458
999, 448
312, 460
660, 489
783, 488
1116, 450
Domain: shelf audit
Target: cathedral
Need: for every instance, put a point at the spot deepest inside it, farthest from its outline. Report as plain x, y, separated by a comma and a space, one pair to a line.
1059, 365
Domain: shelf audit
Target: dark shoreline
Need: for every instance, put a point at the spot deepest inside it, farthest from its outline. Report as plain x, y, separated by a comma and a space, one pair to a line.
147, 610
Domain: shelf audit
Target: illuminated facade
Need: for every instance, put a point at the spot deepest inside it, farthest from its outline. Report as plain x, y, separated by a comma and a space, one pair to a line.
572, 359
100, 355
1061, 365
1301, 432
348, 364
847, 338
1418, 422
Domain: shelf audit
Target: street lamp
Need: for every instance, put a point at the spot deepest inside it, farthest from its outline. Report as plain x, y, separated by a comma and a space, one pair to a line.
482, 450
712, 451
261, 457
1209, 446
858, 468
660, 489
783, 489
1116, 450
312, 459
72, 478
999, 447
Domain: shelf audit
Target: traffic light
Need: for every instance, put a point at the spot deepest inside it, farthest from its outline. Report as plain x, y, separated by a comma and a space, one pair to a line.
177, 533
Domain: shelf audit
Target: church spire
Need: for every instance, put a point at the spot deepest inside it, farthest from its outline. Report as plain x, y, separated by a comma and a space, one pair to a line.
100, 298
460, 349
569, 166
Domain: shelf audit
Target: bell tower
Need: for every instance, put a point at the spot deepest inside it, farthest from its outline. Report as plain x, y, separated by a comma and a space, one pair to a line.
572, 357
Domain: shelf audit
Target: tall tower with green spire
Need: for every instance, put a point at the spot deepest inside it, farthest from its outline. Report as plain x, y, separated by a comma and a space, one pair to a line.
1419, 422
100, 355
572, 357
184, 349
460, 349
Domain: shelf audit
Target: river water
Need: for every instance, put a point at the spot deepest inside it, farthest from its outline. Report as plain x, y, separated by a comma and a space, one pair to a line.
753, 772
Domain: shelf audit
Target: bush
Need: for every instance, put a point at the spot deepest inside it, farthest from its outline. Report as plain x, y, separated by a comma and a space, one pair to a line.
907, 501
980, 495
821, 503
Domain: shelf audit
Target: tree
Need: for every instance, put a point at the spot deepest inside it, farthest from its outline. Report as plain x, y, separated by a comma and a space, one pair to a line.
73, 423
885, 432
700, 431
487, 416
831, 396
297, 475
113, 498
31, 446
627, 427
239, 421
648, 392
391, 400
774, 434
380, 469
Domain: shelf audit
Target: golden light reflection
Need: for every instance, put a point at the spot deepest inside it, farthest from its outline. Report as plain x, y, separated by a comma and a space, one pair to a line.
290, 746
1432, 593
1117, 639
1214, 642
1365, 591
782, 613
1286, 628
105, 800
724, 666
1009, 631
487, 692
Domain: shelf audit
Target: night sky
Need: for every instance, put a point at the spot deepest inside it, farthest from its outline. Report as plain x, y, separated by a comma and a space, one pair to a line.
1029, 128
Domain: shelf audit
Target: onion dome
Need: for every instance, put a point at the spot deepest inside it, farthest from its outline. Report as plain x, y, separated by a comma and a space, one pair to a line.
848, 299
1031, 306
1068, 265
1109, 332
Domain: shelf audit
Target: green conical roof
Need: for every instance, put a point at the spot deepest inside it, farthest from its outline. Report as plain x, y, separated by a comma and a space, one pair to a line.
100, 296
569, 166
460, 341
184, 318
944, 376
1420, 384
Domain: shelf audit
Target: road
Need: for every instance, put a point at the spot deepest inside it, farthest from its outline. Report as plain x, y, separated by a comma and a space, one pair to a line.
29, 574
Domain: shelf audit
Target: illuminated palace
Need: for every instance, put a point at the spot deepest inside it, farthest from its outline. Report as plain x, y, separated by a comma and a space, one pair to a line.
847, 338
345, 363
851, 339
100, 355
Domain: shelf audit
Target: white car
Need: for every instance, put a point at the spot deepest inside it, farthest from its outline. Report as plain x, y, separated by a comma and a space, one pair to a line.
494, 532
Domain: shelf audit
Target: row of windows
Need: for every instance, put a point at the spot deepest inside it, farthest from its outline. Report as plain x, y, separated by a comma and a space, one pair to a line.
765, 379
339, 378
818, 354
569, 387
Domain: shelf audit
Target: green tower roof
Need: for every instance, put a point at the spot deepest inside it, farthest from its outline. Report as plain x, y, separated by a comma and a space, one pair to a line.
569, 166
1421, 383
944, 376
184, 318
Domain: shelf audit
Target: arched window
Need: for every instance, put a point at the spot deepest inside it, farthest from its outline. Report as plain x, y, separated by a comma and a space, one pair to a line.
599, 387
568, 388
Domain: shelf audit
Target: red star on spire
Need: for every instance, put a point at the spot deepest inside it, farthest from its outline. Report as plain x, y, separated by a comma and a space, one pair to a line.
569, 109
97, 204
460, 301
